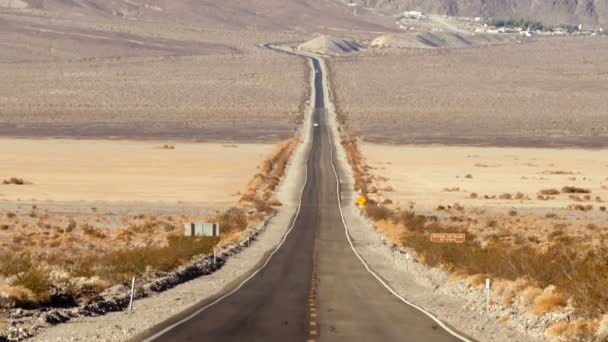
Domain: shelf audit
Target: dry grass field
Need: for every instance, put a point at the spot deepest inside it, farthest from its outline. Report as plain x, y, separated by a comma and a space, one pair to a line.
542, 93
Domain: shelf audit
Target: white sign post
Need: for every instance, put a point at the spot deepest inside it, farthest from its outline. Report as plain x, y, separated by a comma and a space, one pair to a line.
132, 294
407, 262
214, 256
487, 295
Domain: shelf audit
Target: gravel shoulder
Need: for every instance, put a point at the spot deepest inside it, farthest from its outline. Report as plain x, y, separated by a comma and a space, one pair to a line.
151, 311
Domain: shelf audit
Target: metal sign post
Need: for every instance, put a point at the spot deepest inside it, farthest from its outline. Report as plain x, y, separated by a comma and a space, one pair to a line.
487, 295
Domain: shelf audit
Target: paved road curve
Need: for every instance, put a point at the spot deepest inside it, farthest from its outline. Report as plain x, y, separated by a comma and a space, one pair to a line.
314, 288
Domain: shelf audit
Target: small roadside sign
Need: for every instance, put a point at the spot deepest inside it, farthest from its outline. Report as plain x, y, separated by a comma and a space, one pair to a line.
361, 201
448, 238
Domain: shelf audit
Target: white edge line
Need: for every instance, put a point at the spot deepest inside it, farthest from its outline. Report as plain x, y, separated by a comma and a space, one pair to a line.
388, 287
233, 291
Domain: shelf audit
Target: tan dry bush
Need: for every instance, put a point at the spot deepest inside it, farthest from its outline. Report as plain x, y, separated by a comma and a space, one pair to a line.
234, 219
391, 231
509, 290
22, 296
505, 196
575, 190
378, 213
14, 181
121, 266
528, 295
549, 192
93, 232
477, 280
577, 330
549, 302
37, 280
275, 203
580, 207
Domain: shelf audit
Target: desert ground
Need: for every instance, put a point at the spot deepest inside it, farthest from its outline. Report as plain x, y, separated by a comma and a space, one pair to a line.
59, 170
543, 92
201, 98
521, 190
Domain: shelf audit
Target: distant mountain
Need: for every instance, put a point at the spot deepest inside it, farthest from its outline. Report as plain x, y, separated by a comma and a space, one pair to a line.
552, 12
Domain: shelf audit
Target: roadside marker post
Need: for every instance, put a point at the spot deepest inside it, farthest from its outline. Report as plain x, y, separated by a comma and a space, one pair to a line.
487, 295
132, 294
214, 256
407, 262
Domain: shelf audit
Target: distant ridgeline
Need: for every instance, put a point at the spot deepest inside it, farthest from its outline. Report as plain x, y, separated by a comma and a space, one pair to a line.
548, 12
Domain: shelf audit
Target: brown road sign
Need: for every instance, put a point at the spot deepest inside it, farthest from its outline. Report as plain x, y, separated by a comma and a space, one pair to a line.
448, 238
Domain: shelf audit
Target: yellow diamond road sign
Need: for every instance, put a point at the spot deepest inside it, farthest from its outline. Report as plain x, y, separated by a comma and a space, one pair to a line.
361, 201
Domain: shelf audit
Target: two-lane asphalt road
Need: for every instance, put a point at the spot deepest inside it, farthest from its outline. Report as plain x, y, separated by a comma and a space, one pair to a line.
314, 287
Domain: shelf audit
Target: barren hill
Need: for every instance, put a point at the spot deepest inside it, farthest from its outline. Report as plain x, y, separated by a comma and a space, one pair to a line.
327, 45
437, 40
547, 11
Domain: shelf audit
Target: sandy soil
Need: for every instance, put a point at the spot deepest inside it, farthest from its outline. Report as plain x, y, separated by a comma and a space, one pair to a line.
127, 171
498, 192
432, 175
545, 92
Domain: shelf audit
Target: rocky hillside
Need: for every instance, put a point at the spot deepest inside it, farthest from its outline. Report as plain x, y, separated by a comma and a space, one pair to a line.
553, 12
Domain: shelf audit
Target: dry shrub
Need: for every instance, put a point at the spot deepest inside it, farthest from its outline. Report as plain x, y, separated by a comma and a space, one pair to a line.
391, 231
477, 280
473, 195
549, 192
261, 206
121, 266
580, 207
14, 180
510, 290
32, 286
454, 189
271, 170
575, 190
378, 213
234, 219
93, 232
22, 296
577, 330
528, 295
549, 302
505, 196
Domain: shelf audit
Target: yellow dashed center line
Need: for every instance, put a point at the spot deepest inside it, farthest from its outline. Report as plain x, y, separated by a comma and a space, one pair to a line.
312, 298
